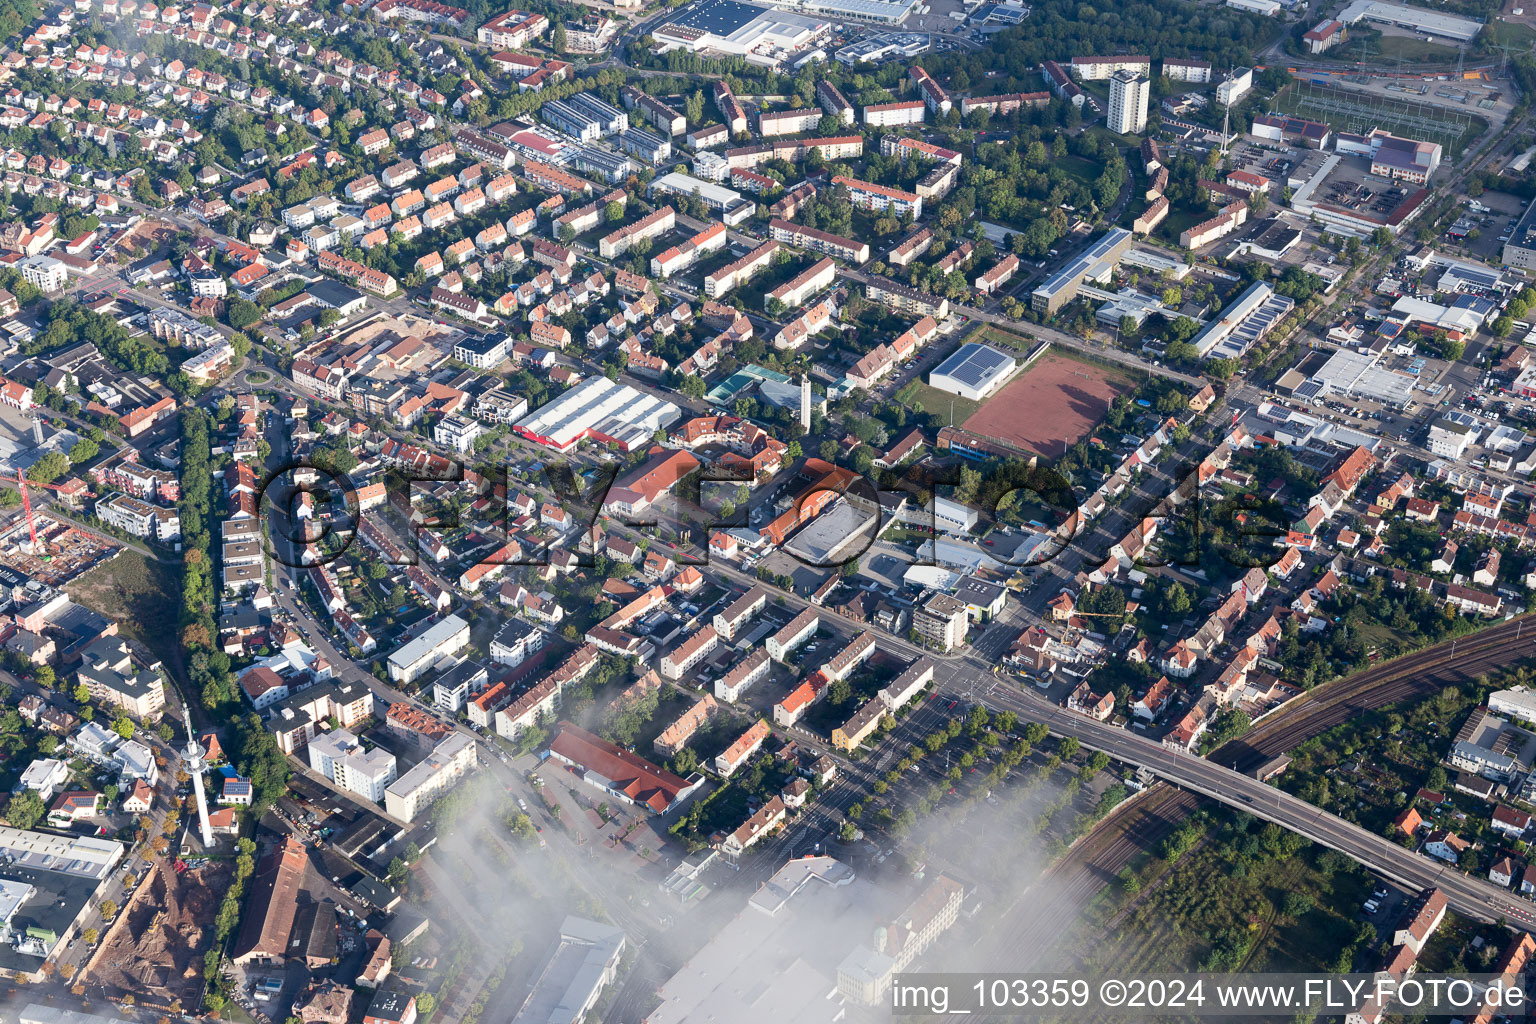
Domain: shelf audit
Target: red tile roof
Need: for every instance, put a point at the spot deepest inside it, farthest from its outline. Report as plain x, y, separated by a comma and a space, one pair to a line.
630, 774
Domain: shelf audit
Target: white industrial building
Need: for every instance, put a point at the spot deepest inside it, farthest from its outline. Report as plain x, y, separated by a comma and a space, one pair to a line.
446, 637
974, 371
1417, 19
601, 410
1465, 315
1359, 375
760, 35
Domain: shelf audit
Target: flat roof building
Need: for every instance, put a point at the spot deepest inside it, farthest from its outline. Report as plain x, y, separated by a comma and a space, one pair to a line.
585, 962
1520, 250
732, 207
1417, 19
447, 636
413, 792
601, 410
1094, 263
974, 371
1243, 324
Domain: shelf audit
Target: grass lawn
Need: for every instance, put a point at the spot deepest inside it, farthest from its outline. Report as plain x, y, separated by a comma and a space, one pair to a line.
1507, 33
1085, 170
1177, 220
138, 593
931, 399
1385, 49
993, 335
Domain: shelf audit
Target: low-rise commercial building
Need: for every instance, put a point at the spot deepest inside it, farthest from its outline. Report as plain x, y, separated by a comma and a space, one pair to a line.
446, 637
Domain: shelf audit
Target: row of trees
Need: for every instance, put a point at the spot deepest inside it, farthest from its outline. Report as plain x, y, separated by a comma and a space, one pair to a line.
208, 667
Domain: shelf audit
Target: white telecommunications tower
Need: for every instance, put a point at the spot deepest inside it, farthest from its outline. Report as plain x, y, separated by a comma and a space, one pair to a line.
195, 768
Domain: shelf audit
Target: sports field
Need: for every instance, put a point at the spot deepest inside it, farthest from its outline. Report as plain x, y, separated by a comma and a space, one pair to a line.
1050, 406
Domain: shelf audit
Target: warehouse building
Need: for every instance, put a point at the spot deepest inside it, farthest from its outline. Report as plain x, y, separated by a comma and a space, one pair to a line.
1243, 324
1359, 375
974, 371
1415, 19
601, 410
446, 637
766, 36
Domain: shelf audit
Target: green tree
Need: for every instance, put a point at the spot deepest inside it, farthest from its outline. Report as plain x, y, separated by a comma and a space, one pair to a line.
557, 38
25, 809
83, 450
243, 313
49, 468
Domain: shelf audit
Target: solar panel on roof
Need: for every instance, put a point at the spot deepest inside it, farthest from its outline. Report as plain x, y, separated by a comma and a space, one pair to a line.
972, 364
718, 17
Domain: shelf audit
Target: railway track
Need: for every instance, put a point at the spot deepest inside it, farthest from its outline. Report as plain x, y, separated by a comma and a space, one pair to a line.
1419, 673
1139, 824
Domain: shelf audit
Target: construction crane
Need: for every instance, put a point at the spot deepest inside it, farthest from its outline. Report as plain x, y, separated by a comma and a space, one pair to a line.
20, 479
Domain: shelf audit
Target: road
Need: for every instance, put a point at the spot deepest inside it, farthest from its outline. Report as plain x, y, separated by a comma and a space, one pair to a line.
1054, 336
970, 676
1467, 895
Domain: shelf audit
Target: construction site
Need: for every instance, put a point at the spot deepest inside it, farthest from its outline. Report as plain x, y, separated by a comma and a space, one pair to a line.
154, 951
62, 551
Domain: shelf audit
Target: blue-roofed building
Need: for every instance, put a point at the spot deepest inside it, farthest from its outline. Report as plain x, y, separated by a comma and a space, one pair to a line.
1483, 309
724, 393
